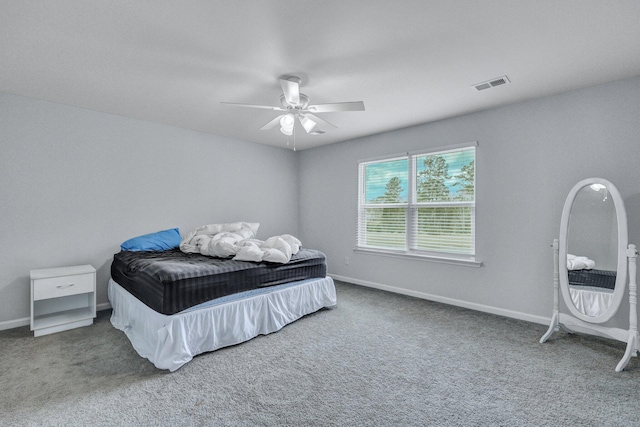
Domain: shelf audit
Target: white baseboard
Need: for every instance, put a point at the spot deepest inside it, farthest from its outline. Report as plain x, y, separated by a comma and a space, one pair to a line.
10, 324
459, 303
103, 306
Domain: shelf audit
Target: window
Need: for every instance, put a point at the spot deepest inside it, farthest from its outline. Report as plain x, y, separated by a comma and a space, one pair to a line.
419, 204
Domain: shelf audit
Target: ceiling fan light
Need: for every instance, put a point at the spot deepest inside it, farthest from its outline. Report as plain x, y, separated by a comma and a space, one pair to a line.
287, 131
287, 122
307, 124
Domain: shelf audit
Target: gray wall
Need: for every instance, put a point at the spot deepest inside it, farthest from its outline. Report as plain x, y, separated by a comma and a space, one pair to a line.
529, 157
75, 183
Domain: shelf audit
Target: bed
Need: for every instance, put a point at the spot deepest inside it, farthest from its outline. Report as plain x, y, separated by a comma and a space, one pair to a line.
174, 305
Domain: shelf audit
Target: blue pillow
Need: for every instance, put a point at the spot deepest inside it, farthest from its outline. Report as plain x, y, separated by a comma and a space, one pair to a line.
159, 241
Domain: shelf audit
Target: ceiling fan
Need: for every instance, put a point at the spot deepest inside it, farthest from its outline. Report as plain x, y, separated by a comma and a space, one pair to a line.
295, 105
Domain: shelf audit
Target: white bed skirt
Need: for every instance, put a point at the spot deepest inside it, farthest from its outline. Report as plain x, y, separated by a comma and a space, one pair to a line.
171, 341
591, 303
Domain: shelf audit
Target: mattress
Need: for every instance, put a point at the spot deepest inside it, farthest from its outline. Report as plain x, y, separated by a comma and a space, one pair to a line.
172, 281
593, 278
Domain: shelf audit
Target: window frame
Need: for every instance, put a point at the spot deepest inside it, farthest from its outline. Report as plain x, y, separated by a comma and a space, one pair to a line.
411, 207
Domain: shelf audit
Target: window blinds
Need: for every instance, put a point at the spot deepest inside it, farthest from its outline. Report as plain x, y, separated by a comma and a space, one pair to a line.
419, 203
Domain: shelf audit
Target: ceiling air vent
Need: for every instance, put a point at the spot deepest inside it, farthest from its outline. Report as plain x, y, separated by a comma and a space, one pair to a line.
499, 81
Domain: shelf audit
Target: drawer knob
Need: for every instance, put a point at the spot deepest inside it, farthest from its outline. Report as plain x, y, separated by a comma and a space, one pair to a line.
65, 286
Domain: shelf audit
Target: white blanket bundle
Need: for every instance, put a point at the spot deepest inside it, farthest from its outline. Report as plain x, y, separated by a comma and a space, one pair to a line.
237, 240
579, 263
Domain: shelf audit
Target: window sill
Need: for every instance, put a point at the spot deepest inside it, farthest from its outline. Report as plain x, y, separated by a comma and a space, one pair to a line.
468, 262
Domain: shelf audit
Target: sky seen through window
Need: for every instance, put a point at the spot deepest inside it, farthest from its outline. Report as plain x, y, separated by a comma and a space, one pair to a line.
378, 174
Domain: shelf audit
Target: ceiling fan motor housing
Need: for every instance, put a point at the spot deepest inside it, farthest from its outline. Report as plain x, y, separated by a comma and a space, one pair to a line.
304, 102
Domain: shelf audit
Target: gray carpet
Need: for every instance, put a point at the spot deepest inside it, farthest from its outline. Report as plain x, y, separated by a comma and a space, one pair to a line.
378, 359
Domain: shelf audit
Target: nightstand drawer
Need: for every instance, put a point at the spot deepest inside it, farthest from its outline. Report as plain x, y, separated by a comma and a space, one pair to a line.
53, 287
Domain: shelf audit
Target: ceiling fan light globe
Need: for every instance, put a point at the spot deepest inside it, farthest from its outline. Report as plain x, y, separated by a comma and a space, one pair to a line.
307, 124
287, 121
287, 131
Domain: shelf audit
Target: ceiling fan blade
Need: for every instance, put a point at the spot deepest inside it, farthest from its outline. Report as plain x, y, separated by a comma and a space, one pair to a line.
338, 106
272, 123
291, 89
264, 107
320, 124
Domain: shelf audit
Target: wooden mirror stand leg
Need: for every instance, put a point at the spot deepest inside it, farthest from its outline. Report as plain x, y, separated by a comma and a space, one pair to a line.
634, 339
555, 320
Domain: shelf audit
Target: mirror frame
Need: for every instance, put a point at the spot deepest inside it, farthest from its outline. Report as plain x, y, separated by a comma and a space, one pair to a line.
623, 240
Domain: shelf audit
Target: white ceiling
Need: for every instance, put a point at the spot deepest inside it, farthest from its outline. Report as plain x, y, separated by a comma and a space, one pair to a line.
411, 62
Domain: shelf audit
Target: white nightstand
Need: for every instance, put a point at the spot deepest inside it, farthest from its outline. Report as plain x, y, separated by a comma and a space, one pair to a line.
62, 298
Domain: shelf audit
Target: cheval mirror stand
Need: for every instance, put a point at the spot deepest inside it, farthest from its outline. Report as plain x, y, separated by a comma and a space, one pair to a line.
591, 261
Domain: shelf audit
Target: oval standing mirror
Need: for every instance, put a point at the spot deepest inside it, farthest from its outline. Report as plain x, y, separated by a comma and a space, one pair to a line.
592, 244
